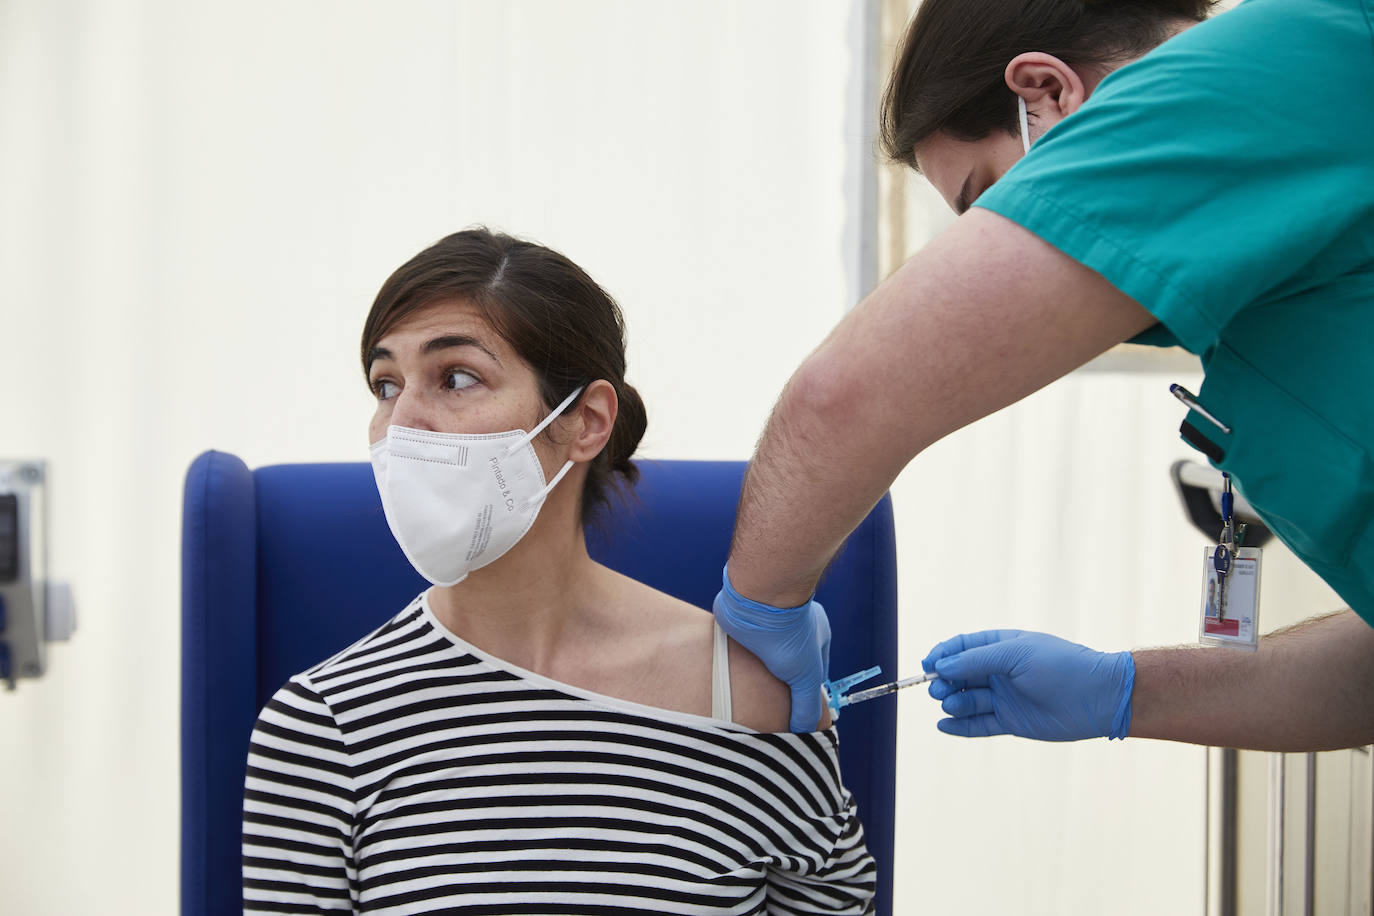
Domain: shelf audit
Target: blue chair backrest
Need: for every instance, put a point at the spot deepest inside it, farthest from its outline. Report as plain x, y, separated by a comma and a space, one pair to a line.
286, 565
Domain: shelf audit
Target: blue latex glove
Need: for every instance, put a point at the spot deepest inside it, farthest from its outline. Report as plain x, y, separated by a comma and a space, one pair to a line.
792, 642
1014, 682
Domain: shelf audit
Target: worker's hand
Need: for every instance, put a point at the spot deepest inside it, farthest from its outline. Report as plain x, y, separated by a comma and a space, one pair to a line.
793, 643
1013, 682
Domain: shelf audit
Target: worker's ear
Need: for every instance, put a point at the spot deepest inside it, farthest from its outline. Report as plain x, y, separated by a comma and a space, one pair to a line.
592, 420
1052, 89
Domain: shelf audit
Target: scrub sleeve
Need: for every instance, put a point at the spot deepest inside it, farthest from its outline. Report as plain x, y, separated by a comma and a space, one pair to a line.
1225, 181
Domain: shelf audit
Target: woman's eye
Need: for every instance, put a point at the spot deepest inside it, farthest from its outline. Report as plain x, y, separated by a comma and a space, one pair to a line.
458, 379
384, 390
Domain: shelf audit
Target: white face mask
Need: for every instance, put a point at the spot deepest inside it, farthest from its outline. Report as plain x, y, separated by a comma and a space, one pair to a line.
456, 502
1025, 125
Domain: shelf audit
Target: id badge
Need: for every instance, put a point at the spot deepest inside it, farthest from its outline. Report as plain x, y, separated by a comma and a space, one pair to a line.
1230, 603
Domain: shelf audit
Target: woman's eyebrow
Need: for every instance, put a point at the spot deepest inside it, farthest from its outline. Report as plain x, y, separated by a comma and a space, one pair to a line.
449, 341
446, 342
377, 353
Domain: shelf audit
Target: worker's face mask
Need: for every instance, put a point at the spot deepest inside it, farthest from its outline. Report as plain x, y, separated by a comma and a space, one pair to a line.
1025, 125
457, 502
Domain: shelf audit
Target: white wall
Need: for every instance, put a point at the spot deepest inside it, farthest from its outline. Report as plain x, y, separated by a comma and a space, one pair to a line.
1056, 514
197, 203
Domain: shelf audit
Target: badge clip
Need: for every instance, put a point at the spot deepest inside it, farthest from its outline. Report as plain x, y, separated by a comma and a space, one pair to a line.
1230, 585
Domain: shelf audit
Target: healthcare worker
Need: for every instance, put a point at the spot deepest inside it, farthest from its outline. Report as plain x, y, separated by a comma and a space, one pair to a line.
1207, 184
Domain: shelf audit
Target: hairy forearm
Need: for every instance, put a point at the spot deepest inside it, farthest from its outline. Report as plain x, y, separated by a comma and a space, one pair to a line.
1309, 687
982, 317
806, 489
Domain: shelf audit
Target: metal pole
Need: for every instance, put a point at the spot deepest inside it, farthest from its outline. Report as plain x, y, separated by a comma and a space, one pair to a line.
1230, 766
862, 128
1273, 902
1309, 890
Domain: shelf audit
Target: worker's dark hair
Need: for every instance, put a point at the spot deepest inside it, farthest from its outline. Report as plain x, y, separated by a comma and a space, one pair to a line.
547, 308
949, 72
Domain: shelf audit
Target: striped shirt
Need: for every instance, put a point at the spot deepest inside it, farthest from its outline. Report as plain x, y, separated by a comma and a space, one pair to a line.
414, 773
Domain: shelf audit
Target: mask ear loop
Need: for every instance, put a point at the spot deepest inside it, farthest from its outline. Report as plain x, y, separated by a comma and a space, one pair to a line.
529, 437
1025, 125
539, 497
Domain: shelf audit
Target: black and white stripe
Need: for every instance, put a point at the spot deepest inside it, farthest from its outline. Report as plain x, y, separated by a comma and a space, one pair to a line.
412, 773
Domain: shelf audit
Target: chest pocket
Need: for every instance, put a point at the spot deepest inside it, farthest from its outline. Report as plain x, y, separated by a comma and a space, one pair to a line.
1313, 485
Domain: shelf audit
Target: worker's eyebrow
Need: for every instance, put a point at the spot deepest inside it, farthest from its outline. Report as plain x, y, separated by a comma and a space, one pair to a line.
961, 203
446, 342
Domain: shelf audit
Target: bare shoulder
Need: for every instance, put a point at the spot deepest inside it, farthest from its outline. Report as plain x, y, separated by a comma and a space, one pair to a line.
662, 648
669, 644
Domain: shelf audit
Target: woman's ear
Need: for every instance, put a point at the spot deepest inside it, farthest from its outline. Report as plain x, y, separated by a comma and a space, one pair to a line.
593, 420
1052, 89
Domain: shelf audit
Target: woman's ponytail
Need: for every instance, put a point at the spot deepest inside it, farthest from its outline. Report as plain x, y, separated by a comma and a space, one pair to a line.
630, 423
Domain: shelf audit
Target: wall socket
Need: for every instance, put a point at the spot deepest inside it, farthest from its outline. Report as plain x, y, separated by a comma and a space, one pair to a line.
33, 610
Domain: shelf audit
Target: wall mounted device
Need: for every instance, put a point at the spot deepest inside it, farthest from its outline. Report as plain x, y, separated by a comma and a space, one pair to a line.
33, 610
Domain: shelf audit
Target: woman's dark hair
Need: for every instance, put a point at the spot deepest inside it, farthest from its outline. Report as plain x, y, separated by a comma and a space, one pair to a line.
948, 77
556, 317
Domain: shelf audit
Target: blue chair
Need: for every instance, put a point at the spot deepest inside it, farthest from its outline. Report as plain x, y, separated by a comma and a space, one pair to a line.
286, 565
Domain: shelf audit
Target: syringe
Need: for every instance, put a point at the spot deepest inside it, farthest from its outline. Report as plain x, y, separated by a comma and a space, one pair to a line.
883, 690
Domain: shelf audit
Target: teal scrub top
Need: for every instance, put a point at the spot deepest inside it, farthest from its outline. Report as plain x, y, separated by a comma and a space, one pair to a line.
1225, 181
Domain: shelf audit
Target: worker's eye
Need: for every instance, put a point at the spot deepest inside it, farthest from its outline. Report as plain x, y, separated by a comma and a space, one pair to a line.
458, 379
384, 389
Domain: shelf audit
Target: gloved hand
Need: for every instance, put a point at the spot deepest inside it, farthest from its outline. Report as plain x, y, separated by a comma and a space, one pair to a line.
792, 642
1014, 682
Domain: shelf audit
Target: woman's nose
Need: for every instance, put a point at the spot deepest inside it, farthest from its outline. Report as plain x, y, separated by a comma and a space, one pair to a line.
411, 410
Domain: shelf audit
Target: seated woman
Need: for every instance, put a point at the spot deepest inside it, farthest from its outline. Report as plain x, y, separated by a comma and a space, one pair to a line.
535, 733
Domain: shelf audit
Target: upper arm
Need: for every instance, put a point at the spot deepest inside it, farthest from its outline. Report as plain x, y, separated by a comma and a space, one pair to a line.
986, 314
758, 700
832, 872
983, 316
297, 809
